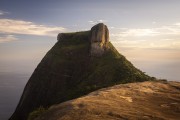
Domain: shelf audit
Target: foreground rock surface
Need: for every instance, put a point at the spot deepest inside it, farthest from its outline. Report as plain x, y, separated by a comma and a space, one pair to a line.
146, 100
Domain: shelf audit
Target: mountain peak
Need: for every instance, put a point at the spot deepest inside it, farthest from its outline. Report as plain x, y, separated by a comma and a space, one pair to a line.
77, 64
99, 38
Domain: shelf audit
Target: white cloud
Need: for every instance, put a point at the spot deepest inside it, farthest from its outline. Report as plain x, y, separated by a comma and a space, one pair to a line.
11, 26
164, 37
7, 38
101, 21
3, 12
96, 21
177, 24
141, 32
92, 22
153, 22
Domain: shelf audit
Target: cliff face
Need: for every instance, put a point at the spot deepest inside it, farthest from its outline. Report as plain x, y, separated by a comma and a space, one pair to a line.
77, 64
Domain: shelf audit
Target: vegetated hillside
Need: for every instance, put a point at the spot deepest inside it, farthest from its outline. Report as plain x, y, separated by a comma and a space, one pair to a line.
152, 100
70, 69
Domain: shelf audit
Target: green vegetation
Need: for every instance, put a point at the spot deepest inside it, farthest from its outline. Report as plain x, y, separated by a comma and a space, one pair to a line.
79, 73
110, 69
36, 113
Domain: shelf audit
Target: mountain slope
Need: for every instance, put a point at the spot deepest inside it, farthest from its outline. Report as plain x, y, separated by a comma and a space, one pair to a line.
141, 101
79, 63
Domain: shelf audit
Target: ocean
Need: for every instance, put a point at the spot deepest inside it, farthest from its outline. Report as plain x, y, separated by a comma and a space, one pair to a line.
11, 88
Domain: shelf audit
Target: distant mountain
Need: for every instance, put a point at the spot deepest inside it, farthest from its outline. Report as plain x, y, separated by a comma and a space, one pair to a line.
78, 64
152, 100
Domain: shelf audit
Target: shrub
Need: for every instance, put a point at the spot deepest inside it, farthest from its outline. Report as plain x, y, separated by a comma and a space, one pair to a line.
36, 113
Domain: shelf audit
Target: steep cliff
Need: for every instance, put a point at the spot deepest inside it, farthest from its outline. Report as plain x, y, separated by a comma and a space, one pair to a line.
79, 63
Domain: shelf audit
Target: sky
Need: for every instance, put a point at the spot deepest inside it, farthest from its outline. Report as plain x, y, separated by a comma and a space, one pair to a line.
147, 32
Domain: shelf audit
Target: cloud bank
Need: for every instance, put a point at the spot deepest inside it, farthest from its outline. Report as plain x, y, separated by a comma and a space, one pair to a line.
3, 12
96, 21
7, 38
163, 37
11, 26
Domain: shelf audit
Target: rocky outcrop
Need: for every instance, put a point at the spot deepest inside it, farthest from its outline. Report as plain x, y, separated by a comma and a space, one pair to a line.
99, 39
135, 101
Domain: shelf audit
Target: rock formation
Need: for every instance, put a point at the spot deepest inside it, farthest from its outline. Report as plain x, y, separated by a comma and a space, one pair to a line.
99, 39
60, 36
155, 100
72, 69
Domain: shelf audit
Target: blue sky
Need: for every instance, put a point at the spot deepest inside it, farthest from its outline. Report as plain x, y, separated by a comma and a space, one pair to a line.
147, 32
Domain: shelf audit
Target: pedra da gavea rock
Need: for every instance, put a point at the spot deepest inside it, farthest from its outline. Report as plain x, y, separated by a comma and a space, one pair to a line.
79, 63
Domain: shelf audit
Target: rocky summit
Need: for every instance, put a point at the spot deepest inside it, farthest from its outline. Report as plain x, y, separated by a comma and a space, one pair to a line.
77, 64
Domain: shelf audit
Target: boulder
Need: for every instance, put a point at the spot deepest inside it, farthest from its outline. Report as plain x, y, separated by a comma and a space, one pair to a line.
99, 39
